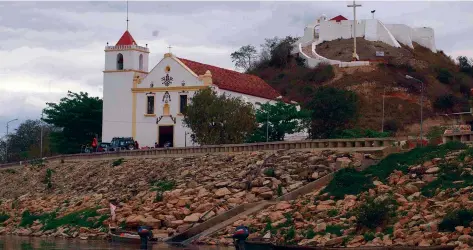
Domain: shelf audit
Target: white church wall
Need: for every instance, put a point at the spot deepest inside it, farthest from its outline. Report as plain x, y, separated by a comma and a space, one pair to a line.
385, 36
117, 105
177, 72
425, 37
330, 30
402, 33
252, 99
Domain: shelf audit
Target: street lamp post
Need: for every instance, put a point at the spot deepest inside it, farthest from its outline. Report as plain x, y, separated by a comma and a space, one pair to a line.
6, 146
382, 120
421, 102
267, 122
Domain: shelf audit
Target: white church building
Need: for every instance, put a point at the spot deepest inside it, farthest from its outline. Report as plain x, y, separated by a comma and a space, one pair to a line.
148, 104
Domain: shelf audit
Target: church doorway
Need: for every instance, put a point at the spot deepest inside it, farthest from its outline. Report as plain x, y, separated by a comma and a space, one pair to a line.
166, 136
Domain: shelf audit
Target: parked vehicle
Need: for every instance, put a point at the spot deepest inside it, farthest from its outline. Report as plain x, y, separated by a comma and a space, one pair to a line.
104, 146
122, 143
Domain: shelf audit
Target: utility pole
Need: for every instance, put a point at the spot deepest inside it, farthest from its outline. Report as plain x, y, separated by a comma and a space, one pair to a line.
382, 120
421, 103
6, 143
354, 5
267, 126
41, 124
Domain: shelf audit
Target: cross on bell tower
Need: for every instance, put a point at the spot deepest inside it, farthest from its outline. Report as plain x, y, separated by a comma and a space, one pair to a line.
169, 47
354, 5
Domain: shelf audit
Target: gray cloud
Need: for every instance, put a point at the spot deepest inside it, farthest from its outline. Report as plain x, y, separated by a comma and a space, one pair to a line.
47, 48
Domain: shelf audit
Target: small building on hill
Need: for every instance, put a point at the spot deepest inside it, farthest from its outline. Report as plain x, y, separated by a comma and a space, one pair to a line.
148, 105
339, 27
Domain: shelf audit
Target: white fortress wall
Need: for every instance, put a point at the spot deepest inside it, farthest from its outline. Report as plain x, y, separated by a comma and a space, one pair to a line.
330, 31
425, 37
402, 33
382, 33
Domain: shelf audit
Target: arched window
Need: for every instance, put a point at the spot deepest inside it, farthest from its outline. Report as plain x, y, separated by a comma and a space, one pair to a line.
166, 109
119, 61
141, 62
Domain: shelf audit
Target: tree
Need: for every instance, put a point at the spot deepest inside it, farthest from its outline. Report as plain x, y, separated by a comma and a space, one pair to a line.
332, 110
445, 102
25, 142
466, 65
219, 119
280, 119
244, 57
79, 119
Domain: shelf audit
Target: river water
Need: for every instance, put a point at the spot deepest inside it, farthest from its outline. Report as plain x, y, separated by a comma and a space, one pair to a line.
34, 243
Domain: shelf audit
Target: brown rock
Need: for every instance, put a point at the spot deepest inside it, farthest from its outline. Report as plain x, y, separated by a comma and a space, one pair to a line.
432, 170
335, 241
410, 189
192, 218
222, 192
283, 205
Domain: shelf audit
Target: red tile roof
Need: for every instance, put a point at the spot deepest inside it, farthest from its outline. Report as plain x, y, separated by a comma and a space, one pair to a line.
126, 39
338, 18
234, 81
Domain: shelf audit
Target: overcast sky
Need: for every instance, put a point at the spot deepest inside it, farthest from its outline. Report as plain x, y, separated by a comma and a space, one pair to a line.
48, 48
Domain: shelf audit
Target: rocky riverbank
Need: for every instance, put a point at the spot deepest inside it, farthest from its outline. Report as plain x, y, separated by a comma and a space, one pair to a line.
420, 198
71, 199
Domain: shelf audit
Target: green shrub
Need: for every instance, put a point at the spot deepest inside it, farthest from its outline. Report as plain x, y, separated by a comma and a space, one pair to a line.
334, 229
391, 126
450, 176
280, 193
88, 218
4, 217
10, 171
48, 178
320, 74
289, 236
368, 236
332, 212
374, 213
348, 181
310, 233
160, 186
445, 102
38, 162
269, 172
444, 75
117, 162
462, 217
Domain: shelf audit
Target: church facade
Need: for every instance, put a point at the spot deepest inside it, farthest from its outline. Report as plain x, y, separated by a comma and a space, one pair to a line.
148, 105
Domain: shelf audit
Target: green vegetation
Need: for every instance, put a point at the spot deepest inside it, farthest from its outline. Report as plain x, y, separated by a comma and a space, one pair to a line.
219, 119
118, 162
37, 163
359, 133
10, 171
289, 236
320, 74
334, 229
332, 110
80, 118
445, 102
444, 76
3, 217
310, 233
369, 236
48, 178
332, 212
160, 186
462, 217
451, 176
280, 193
351, 181
269, 172
85, 218
278, 119
375, 212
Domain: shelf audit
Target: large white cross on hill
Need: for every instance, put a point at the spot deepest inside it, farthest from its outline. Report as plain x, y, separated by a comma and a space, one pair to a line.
354, 5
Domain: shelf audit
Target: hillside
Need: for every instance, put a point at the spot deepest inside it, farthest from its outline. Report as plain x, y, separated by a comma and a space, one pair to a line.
71, 199
446, 89
419, 198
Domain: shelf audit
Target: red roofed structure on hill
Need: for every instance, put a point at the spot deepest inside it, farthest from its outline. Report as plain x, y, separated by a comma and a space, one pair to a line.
233, 80
338, 18
126, 39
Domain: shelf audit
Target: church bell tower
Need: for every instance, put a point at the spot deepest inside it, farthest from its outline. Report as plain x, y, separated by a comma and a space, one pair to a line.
123, 63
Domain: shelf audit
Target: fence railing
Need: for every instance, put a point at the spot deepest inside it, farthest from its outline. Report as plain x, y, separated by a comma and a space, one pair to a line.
359, 143
466, 136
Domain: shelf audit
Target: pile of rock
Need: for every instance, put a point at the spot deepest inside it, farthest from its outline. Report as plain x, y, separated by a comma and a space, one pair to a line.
205, 186
318, 220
